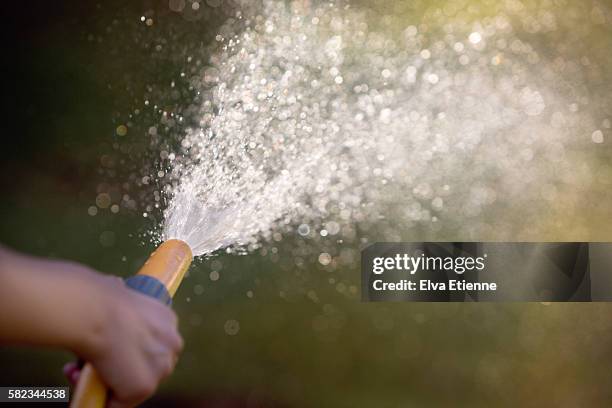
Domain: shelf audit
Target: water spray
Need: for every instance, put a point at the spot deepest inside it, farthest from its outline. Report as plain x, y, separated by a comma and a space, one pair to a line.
159, 278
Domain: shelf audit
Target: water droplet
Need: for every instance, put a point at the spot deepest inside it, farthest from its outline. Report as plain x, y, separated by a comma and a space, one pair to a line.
475, 37
303, 230
231, 327
121, 130
325, 258
597, 136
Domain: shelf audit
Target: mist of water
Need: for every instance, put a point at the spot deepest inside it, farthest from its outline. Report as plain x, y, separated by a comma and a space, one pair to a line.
333, 116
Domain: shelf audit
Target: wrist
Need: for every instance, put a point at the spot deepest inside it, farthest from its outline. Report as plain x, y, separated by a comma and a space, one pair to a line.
98, 309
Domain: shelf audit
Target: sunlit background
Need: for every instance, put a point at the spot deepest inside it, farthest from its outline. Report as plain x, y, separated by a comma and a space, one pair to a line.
283, 324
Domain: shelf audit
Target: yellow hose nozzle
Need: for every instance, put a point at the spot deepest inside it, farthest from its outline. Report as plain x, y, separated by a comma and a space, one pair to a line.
168, 264
160, 278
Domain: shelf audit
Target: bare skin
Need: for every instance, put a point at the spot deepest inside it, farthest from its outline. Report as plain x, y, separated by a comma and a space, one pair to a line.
130, 339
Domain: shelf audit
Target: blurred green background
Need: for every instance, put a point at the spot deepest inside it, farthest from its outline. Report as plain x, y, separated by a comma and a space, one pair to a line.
269, 331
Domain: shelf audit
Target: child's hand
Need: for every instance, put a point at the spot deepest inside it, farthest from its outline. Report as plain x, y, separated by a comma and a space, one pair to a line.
131, 339
135, 346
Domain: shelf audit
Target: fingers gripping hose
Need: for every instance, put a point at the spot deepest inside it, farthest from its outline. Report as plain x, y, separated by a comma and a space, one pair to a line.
159, 278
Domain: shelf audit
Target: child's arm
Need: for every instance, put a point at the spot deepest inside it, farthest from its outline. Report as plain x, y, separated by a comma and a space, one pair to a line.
131, 340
